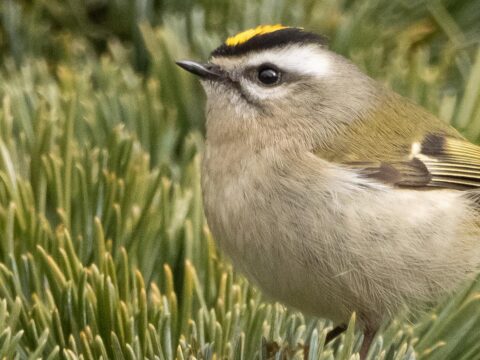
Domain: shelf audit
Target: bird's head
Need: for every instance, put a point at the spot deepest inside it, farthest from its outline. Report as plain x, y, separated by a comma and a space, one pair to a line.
274, 83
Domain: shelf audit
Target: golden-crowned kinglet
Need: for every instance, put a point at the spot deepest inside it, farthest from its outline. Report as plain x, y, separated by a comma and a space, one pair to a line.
328, 190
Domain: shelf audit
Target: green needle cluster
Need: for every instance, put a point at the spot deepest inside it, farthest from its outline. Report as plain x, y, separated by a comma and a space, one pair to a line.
104, 249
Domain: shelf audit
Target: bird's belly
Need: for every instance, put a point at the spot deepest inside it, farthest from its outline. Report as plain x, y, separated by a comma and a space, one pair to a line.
330, 251
295, 285
286, 259
289, 275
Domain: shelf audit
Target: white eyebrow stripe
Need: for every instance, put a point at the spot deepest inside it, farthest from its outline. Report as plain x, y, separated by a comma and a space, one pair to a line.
304, 60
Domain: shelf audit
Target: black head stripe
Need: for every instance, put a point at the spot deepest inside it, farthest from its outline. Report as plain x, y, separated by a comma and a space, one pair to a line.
271, 40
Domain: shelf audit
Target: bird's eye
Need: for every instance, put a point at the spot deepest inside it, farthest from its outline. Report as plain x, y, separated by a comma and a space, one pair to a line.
268, 75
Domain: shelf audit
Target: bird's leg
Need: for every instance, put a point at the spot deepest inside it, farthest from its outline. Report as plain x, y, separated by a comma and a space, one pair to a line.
332, 334
368, 336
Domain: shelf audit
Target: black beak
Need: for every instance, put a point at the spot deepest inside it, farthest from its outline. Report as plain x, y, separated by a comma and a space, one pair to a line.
205, 71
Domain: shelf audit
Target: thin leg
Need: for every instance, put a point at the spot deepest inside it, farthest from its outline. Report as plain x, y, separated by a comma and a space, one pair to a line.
368, 336
332, 334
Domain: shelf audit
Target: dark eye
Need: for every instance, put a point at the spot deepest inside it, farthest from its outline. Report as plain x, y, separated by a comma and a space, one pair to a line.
268, 75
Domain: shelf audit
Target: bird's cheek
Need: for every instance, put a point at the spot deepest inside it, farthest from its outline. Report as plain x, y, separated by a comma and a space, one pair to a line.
209, 87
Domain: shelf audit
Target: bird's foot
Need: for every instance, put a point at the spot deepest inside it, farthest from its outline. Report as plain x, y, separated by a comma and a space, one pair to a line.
368, 337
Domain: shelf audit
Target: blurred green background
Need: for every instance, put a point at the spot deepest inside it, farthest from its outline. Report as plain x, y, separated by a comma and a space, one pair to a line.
104, 249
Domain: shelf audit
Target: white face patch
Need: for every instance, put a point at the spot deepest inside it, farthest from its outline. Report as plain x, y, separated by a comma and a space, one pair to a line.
262, 92
303, 60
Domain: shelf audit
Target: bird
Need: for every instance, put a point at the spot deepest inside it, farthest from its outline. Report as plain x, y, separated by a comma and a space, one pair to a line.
329, 191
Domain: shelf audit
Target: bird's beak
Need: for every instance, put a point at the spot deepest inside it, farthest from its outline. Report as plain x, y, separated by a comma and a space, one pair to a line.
204, 71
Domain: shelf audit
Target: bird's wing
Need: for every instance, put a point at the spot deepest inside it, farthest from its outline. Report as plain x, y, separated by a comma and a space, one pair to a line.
403, 145
436, 161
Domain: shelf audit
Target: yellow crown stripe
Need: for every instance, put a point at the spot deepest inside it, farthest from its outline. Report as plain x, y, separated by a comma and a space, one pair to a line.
246, 35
